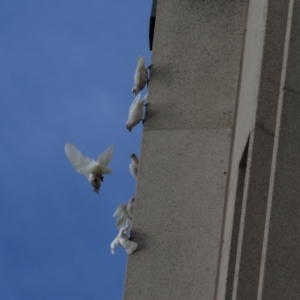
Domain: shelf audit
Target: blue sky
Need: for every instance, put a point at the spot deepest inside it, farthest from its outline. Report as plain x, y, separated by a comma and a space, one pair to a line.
66, 73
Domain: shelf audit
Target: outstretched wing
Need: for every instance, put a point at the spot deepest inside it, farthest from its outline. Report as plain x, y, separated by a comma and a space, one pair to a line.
82, 164
106, 156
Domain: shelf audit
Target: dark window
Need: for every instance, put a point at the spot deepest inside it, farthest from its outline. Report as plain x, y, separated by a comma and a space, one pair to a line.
152, 23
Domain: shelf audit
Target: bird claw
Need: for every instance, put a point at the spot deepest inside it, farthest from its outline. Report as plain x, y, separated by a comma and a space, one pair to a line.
149, 67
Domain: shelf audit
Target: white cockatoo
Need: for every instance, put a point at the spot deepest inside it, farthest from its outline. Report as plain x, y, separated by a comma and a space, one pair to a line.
135, 114
134, 165
122, 240
130, 207
92, 169
140, 76
123, 214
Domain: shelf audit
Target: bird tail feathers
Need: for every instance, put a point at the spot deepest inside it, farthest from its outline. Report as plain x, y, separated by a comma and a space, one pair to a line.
141, 62
106, 170
96, 170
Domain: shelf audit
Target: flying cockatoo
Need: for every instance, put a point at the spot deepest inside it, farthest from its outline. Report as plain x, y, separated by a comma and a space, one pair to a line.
92, 169
134, 165
123, 214
140, 76
122, 240
135, 114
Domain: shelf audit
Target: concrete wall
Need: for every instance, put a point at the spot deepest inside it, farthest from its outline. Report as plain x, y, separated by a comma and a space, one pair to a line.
244, 124
215, 217
186, 146
261, 142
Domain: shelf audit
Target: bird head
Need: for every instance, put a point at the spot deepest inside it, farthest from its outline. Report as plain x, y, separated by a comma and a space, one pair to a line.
135, 90
134, 158
129, 127
96, 183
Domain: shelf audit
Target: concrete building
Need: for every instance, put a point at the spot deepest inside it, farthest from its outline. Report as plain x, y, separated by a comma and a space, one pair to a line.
217, 212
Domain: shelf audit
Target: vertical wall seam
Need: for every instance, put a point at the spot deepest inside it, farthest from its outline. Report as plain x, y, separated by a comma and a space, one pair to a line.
231, 151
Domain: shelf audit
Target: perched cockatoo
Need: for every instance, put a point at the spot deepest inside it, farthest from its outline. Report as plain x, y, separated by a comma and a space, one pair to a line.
134, 165
92, 169
123, 214
140, 76
135, 114
122, 240
130, 207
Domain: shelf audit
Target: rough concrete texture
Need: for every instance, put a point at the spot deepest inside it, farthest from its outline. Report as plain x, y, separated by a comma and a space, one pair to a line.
280, 275
186, 146
178, 214
196, 61
186, 101
193, 35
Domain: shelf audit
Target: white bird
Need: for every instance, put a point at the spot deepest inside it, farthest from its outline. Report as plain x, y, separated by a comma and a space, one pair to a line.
134, 165
135, 114
123, 241
130, 207
140, 76
123, 214
92, 169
